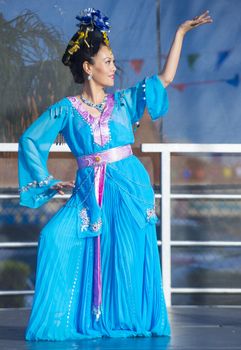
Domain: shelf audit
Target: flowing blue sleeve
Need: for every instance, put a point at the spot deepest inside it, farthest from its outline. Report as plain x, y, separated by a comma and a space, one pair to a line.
34, 145
148, 93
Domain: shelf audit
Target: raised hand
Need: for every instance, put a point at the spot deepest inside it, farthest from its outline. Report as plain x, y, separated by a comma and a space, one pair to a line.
63, 185
197, 21
168, 73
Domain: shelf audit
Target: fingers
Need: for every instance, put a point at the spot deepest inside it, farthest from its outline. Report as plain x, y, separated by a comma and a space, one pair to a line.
58, 188
198, 22
203, 18
61, 185
68, 184
204, 14
60, 192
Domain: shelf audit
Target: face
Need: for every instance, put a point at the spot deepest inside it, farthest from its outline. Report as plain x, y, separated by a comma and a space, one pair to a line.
103, 70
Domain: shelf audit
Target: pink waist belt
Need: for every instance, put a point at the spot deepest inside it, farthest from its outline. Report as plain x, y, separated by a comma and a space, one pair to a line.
99, 161
108, 156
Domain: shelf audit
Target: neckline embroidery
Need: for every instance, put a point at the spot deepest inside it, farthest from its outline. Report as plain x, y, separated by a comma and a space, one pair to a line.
99, 126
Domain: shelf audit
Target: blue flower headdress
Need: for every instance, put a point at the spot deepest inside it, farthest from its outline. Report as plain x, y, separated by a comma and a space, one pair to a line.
94, 19
89, 20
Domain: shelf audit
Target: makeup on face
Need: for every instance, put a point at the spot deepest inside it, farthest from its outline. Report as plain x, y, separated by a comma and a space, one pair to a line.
103, 69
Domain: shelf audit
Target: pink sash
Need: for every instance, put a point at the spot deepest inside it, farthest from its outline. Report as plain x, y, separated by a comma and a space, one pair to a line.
99, 161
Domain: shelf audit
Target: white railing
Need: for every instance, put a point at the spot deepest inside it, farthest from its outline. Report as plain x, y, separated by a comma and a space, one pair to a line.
166, 151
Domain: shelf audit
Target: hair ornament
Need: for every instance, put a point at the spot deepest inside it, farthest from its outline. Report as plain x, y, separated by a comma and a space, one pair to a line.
89, 20
75, 45
106, 39
94, 19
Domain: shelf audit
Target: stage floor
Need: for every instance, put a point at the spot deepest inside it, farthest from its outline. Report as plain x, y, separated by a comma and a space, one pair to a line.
193, 328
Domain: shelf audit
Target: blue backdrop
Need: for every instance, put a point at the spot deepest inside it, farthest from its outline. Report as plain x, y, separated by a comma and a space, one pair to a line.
205, 96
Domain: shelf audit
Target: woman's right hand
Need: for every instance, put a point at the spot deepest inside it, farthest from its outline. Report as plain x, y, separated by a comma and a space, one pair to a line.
60, 186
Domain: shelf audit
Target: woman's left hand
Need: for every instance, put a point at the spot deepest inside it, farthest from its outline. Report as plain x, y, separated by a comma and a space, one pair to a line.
197, 21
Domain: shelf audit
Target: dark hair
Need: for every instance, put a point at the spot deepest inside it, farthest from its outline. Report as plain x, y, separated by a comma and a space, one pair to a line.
75, 62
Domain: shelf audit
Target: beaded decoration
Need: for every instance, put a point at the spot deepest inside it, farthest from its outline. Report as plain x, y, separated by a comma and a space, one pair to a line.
85, 220
35, 184
99, 126
85, 224
151, 214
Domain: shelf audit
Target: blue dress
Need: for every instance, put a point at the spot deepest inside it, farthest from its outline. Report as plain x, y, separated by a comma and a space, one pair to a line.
132, 296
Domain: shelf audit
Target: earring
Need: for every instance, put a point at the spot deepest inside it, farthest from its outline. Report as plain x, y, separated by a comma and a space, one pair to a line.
89, 77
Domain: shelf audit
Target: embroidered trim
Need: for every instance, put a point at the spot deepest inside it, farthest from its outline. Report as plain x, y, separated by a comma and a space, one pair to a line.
85, 220
85, 224
72, 292
143, 90
96, 226
150, 214
97, 312
99, 126
35, 184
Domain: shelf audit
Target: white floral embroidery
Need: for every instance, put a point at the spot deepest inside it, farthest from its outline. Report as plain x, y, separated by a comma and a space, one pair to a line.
96, 226
85, 220
150, 213
42, 183
97, 312
85, 224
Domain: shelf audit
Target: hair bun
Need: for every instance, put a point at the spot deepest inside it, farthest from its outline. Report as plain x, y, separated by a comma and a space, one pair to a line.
90, 20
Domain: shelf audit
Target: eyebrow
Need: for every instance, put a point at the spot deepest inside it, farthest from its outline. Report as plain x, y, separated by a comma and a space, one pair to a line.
109, 58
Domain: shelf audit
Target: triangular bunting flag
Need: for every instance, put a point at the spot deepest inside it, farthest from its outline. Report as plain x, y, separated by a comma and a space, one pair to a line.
181, 87
222, 56
234, 81
192, 58
137, 65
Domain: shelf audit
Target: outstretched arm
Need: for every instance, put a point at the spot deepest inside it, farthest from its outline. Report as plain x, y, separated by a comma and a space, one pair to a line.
168, 73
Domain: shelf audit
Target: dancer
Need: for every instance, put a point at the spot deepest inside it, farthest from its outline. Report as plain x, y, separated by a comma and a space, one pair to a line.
98, 268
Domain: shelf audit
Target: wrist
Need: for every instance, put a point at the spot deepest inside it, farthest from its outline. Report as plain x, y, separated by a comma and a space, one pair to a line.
181, 31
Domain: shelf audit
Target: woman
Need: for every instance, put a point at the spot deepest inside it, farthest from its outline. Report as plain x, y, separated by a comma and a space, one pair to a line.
98, 270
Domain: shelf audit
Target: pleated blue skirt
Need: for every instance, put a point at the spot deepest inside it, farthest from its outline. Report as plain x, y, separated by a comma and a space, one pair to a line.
132, 296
